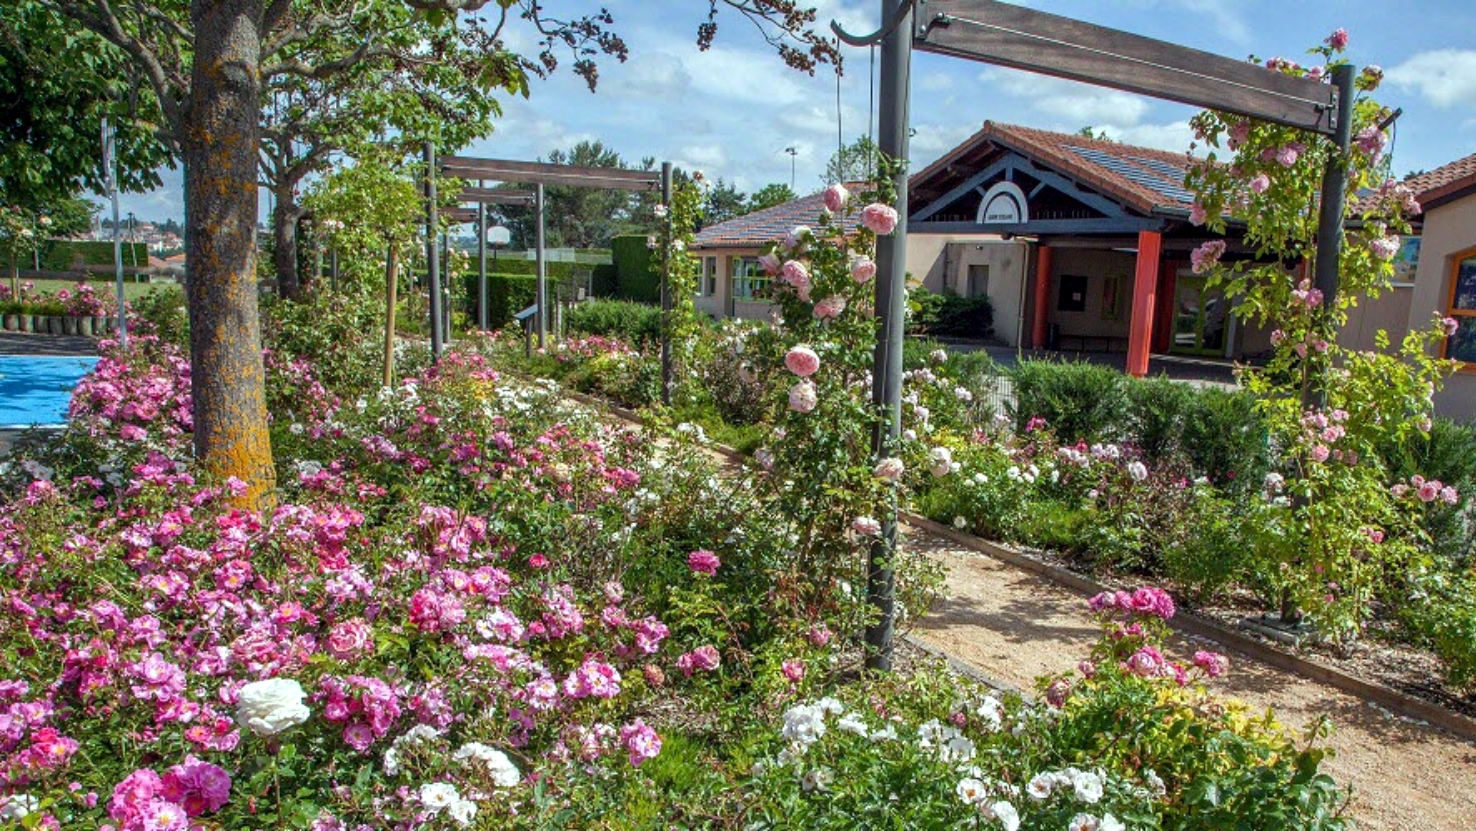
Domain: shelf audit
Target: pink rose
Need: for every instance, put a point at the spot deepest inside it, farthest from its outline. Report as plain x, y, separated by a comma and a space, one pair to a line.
830, 308
703, 658
1384, 248
1450, 326
865, 526
1206, 255
863, 269
1338, 40
1260, 183
802, 361
1320, 453
889, 469
703, 561
802, 397
1213, 663
795, 274
879, 219
1197, 214
836, 197
794, 671
771, 264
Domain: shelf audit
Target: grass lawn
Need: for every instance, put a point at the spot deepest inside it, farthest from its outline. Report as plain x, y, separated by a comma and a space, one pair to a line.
131, 290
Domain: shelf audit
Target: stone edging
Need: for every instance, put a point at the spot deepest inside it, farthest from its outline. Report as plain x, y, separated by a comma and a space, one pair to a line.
1389, 698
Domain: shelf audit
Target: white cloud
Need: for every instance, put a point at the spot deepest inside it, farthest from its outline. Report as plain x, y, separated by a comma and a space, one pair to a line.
1080, 105
703, 156
1174, 137
1445, 77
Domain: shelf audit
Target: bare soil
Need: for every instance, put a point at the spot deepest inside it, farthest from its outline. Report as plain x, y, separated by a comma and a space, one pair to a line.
1015, 627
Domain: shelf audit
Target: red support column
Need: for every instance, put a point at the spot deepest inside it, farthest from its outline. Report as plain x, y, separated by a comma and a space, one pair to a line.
1042, 297
1145, 290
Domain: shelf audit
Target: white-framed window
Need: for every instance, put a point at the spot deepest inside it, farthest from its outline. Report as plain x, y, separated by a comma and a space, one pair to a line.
748, 278
708, 287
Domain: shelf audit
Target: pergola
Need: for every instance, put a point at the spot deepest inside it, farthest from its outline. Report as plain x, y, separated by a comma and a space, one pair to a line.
998, 33
539, 175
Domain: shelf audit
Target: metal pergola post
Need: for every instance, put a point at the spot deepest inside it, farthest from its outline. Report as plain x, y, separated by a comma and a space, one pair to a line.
481, 264
891, 307
542, 267
1334, 191
666, 287
432, 252
110, 176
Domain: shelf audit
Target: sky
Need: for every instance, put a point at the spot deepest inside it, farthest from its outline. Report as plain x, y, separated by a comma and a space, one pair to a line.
733, 111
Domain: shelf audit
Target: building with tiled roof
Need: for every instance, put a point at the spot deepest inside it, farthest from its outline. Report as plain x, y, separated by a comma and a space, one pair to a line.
1444, 269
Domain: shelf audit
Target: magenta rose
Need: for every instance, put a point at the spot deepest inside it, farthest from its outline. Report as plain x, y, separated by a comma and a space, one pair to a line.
703, 561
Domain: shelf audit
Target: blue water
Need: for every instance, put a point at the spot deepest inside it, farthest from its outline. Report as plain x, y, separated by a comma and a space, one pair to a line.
34, 391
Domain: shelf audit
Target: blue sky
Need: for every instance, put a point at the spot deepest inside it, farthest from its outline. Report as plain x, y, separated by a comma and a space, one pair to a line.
733, 110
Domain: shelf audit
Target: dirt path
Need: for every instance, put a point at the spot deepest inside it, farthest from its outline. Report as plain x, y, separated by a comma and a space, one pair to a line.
1015, 626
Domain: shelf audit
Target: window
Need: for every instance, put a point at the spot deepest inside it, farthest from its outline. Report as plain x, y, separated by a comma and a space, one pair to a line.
749, 280
1461, 346
1073, 296
709, 277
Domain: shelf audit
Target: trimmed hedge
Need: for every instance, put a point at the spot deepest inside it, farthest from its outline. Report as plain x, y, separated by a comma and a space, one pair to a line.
1079, 400
635, 274
506, 295
951, 314
59, 255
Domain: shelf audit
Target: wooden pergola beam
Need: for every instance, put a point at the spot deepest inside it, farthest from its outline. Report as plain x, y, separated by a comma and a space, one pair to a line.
495, 196
1013, 36
503, 170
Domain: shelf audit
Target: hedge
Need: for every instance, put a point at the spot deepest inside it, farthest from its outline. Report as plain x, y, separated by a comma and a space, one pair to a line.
635, 275
506, 295
631, 321
59, 255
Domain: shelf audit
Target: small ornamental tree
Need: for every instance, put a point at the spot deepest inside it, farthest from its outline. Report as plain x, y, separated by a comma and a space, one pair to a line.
21, 231
1347, 531
683, 327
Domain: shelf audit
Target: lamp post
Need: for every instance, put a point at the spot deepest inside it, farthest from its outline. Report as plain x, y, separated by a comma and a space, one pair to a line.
793, 154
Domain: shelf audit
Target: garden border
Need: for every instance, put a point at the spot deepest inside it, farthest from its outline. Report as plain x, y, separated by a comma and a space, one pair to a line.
1398, 702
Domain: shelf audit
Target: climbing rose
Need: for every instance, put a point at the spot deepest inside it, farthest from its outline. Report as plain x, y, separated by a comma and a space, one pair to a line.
890, 469
1260, 183
1206, 255
1338, 39
1197, 214
196, 785
795, 274
640, 741
802, 361
1450, 325
802, 397
940, 461
836, 197
879, 219
350, 640
701, 658
771, 264
866, 526
863, 269
830, 308
1384, 248
1213, 663
703, 561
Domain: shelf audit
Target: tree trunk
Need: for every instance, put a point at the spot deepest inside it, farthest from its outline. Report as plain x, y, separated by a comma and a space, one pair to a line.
219, 148
391, 285
284, 226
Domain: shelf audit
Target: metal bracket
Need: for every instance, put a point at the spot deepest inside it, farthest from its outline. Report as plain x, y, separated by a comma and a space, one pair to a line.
1384, 125
880, 34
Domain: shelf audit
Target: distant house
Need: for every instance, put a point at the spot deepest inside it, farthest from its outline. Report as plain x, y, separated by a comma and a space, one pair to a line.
733, 284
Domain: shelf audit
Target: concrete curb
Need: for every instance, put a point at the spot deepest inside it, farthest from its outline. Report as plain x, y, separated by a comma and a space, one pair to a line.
1389, 698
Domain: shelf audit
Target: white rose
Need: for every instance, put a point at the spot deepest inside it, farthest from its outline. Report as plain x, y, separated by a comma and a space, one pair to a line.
269, 707
1111, 823
1088, 787
18, 806
438, 796
940, 461
1008, 817
462, 812
502, 770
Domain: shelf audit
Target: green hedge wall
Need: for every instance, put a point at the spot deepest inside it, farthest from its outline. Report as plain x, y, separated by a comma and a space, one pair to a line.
506, 294
635, 277
58, 255
555, 271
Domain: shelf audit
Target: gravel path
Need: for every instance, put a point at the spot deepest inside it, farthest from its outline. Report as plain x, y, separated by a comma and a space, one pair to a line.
1015, 626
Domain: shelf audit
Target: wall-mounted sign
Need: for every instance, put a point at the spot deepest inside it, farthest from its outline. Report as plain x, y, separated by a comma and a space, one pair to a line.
1407, 261
1004, 204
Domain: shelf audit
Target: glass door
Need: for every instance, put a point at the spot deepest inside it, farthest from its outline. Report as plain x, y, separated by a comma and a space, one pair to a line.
1201, 317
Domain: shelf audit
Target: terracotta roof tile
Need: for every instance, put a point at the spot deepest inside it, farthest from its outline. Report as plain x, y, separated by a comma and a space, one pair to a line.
1141, 178
1446, 181
770, 224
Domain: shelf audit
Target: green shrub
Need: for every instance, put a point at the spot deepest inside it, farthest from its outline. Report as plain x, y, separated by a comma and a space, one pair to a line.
950, 314
1225, 438
1156, 411
605, 280
61, 255
163, 312
1080, 401
1449, 454
627, 320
